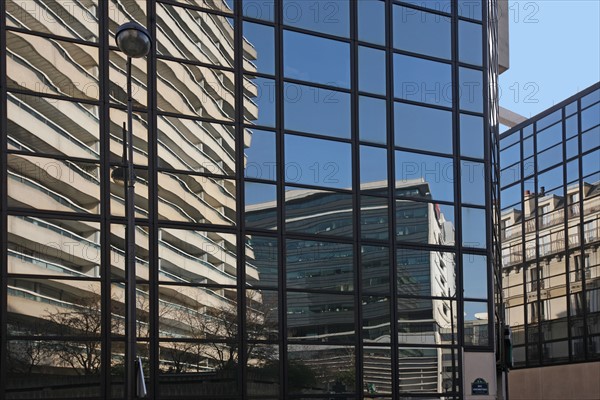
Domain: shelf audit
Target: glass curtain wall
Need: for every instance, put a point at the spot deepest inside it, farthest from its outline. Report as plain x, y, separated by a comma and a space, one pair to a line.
312, 212
550, 233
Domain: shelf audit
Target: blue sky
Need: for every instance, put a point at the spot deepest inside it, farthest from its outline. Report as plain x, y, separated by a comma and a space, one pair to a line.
554, 53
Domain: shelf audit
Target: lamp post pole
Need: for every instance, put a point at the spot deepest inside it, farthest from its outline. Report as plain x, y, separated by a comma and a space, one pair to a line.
133, 40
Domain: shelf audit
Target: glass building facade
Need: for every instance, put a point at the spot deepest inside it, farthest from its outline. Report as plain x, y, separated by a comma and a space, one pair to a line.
550, 228
313, 202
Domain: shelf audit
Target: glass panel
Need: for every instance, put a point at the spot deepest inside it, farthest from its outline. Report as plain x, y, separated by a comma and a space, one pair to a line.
118, 257
261, 205
374, 218
50, 126
319, 266
572, 147
372, 119
424, 370
471, 90
194, 90
376, 319
196, 199
40, 369
476, 324
471, 136
422, 80
331, 67
590, 164
73, 71
259, 102
590, 117
422, 222
548, 120
263, 368
262, 315
198, 257
377, 376
475, 277
259, 9
197, 146
118, 117
53, 185
329, 110
432, 30
320, 317
371, 70
511, 175
260, 45
590, 99
509, 156
422, 128
326, 16
425, 176
371, 21
590, 139
318, 162
262, 263
549, 158
54, 307
318, 212
373, 169
470, 46
470, 9
321, 369
426, 273
437, 5
571, 126
473, 182
549, 137
474, 227
193, 35
118, 79
375, 269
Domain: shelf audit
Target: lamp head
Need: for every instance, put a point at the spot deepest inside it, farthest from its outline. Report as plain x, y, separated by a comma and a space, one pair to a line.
133, 40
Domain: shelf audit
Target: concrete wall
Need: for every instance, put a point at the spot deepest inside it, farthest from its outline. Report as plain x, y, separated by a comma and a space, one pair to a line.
560, 382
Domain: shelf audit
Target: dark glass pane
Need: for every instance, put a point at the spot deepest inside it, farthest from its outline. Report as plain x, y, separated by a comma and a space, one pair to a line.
377, 376
331, 67
319, 265
432, 30
471, 136
318, 212
260, 48
422, 128
320, 317
425, 176
262, 264
317, 162
263, 367
424, 81
261, 162
471, 90
371, 21
41, 369
321, 369
376, 319
375, 269
470, 9
259, 105
329, 110
372, 119
371, 70
415, 366
473, 181
326, 16
261, 205
475, 277
373, 169
470, 46
374, 218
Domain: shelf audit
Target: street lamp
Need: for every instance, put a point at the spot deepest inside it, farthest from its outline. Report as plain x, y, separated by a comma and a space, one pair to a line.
133, 40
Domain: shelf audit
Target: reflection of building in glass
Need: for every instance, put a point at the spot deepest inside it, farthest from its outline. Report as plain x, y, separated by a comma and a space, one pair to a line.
550, 237
426, 280
361, 272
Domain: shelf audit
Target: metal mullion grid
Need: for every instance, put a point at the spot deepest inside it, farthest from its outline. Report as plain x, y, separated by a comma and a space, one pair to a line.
582, 232
393, 271
457, 375
3, 205
280, 181
566, 233
537, 246
487, 158
153, 234
238, 60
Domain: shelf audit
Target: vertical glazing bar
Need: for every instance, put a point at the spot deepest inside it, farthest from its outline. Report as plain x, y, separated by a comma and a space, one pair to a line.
3, 205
